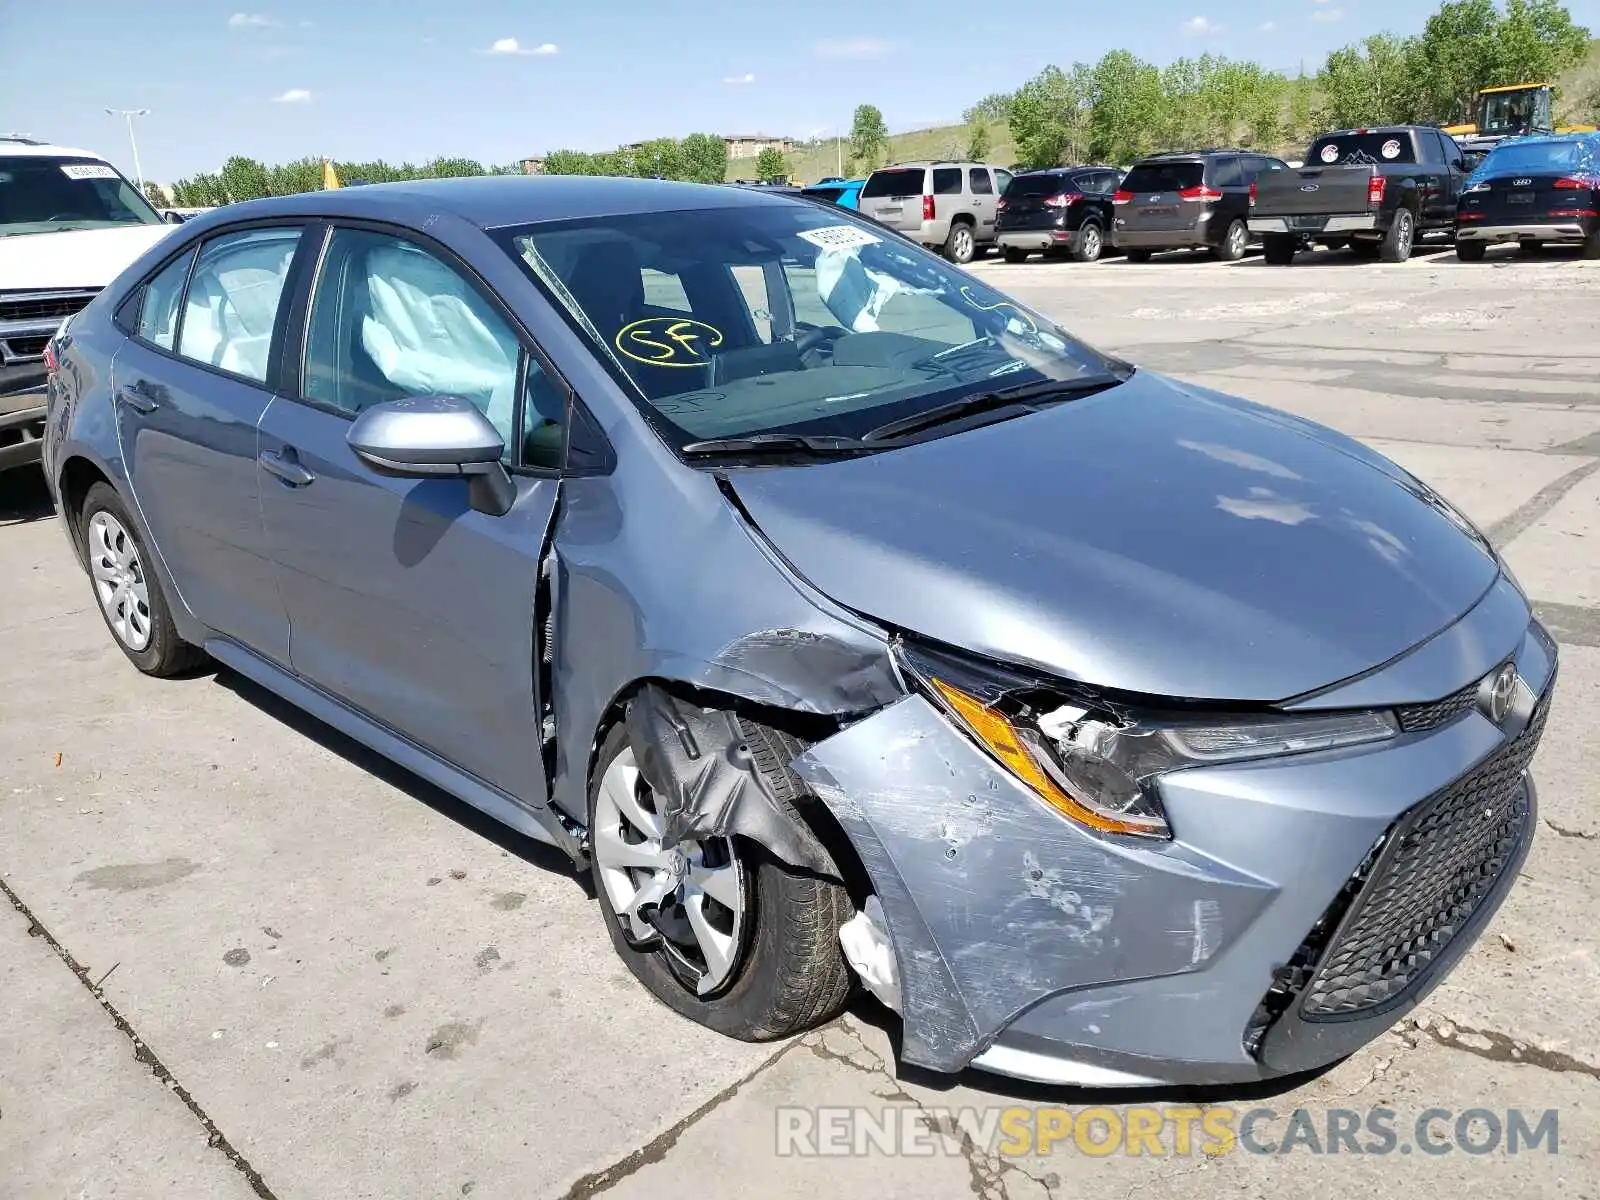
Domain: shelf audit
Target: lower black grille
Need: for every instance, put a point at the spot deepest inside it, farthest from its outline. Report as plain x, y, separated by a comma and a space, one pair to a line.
1419, 718
1436, 867
24, 348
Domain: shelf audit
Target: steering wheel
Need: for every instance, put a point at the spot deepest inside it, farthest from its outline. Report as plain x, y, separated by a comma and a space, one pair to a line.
815, 339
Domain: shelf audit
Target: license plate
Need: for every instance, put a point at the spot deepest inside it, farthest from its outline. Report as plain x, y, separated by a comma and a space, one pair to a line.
1519, 197
1307, 222
1157, 212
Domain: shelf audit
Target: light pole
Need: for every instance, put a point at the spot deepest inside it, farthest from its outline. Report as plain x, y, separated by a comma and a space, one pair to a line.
128, 114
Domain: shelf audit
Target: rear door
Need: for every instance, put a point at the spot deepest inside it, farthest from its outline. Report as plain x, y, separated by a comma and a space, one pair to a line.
1226, 174
1155, 196
1028, 200
980, 187
894, 196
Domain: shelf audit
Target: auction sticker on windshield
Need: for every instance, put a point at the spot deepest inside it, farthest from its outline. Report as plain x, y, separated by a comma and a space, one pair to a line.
1330, 153
87, 171
838, 237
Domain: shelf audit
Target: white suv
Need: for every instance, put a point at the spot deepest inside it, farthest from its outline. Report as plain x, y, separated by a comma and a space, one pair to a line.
946, 205
69, 223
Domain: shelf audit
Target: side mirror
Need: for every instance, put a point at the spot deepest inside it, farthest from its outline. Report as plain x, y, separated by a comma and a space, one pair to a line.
427, 436
172, 218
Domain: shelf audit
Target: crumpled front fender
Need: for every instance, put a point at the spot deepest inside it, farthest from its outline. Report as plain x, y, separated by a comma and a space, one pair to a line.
993, 900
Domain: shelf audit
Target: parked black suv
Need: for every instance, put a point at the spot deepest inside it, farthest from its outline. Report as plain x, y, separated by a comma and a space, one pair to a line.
1061, 209
1375, 190
1189, 200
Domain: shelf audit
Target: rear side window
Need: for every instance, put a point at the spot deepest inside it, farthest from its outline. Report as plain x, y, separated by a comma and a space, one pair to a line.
158, 310
901, 182
947, 181
1037, 185
979, 180
1226, 173
1361, 149
1163, 177
232, 302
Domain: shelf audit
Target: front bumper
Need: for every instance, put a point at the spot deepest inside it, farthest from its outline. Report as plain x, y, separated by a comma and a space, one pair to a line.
1563, 232
21, 428
1252, 945
1364, 223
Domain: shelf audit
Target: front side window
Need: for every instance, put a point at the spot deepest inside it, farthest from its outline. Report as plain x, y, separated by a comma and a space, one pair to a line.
390, 319
158, 309
52, 195
232, 303
858, 327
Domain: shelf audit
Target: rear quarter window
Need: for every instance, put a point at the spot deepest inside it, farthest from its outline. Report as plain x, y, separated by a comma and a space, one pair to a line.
947, 181
904, 182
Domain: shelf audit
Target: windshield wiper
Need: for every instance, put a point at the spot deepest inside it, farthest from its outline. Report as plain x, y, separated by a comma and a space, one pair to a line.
1025, 398
777, 443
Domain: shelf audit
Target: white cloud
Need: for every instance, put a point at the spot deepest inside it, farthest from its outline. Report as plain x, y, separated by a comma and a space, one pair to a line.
512, 46
293, 96
747, 77
241, 20
1267, 27
1328, 15
853, 47
1200, 26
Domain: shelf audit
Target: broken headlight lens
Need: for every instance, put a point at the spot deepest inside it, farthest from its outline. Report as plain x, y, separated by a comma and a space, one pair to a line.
1098, 762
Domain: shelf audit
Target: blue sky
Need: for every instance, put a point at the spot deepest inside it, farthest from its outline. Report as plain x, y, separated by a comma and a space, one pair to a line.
497, 80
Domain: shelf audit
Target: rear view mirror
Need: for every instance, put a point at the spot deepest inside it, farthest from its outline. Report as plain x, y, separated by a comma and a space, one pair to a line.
424, 436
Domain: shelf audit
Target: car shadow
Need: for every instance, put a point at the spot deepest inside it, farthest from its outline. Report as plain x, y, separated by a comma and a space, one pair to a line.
1344, 259
533, 853
869, 1011
24, 498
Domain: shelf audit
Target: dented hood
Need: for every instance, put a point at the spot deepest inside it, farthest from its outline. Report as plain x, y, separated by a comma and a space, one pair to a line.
1152, 538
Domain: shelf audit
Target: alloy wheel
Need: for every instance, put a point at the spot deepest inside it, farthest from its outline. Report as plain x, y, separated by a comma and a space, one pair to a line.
119, 580
961, 243
692, 895
1236, 240
1091, 243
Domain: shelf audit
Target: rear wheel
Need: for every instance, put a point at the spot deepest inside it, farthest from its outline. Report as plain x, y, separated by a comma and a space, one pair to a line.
1363, 249
1014, 255
1279, 249
1089, 244
1531, 249
1471, 251
1234, 241
1591, 245
718, 930
1396, 244
959, 244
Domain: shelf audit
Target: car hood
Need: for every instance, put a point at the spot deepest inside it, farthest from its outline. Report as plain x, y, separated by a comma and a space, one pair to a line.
1153, 538
78, 258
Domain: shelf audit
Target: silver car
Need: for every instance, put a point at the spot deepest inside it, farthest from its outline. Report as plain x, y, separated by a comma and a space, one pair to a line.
853, 623
949, 206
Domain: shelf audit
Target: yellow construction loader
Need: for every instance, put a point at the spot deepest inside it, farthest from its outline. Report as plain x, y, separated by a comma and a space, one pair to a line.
1509, 111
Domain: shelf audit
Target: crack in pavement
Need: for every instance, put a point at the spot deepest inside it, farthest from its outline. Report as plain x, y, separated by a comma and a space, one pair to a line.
1562, 831
142, 1053
658, 1147
1507, 529
1502, 1048
1570, 624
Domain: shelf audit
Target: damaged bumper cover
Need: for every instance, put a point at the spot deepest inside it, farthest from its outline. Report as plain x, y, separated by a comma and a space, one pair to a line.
1030, 946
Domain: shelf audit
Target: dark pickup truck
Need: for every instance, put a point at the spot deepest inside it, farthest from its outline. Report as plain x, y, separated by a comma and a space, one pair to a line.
1374, 190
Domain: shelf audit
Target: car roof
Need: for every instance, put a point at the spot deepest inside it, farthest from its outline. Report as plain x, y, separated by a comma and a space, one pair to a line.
496, 201
21, 147
1375, 129
1576, 135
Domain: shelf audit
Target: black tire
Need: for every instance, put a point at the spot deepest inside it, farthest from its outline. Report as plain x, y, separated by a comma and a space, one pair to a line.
1279, 249
1398, 241
165, 653
1531, 249
793, 975
1090, 243
1136, 256
961, 243
1591, 245
1363, 249
1014, 254
1235, 240
1471, 251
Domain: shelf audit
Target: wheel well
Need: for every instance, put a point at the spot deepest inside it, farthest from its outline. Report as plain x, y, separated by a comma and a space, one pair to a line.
808, 727
78, 475
962, 219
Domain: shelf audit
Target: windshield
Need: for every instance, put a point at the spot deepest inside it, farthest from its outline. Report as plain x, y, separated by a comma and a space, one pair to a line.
786, 317
1510, 112
1361, 149
47, 195
1164, 177
1541, 158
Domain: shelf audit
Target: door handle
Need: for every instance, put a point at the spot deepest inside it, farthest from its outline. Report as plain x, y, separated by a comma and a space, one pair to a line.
285, 468
136, 398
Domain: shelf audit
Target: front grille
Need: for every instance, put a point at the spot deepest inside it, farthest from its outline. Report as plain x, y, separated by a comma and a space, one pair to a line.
39, 306
1419, 718
1436, 867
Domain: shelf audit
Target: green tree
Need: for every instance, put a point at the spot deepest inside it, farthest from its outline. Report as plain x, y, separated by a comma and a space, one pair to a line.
154, 193
993, 109
1374, 83
705, 158
659, 156
1537, 42
869, 138
1047, 118
1126, 103
452, 168
244, 179
568, 162
770, 164
978, 142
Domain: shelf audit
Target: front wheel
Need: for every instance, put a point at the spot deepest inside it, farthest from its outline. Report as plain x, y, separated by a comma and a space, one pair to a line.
1396, 244
718, 930
1234, 241
959, 244
1471, 251
1279, 249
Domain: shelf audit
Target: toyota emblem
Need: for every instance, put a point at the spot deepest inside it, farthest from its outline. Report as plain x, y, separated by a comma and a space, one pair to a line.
1496, 693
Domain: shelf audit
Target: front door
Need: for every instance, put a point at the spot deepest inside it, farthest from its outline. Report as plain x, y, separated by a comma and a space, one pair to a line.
403, 601
190, 387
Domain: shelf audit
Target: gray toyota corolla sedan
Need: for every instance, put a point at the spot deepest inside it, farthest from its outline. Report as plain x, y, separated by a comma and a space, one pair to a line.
853, 623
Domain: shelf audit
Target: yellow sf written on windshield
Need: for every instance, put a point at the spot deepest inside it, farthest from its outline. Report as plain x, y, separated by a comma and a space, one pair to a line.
668, 341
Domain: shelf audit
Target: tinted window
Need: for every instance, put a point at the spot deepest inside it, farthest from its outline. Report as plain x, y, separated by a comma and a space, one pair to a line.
906, 181
390, 319
1050, 184
1578, 156
1226, 173
1163, 177
158, 310
232, 303
902, 331
46, 195
978, 179
947, 181
1360, 149
1002, 180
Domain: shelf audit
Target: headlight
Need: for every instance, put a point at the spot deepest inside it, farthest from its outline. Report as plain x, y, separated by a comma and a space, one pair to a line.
1098, 761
